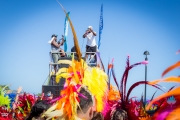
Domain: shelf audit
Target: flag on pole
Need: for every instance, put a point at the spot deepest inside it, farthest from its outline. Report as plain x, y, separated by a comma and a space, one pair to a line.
66, 23
100, 26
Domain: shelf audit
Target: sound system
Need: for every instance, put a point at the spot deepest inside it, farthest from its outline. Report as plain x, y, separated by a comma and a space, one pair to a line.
54, 89
53, 81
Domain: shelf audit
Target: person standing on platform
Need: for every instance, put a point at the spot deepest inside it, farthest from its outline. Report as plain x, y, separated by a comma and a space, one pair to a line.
55, 47
91, 41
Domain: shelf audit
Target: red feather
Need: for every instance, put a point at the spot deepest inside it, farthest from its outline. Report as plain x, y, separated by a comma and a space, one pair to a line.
136, 84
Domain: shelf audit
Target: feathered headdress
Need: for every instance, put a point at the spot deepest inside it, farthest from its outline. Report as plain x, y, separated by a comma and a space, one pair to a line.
96, 80
24, 104
167, 111
4, 105
79, 75
112, 100
124, 102
4, 100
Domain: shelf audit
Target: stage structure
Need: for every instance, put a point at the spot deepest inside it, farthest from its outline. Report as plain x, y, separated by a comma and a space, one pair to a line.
50, 84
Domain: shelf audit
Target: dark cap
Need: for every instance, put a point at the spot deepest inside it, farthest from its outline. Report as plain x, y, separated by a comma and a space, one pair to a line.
54, 35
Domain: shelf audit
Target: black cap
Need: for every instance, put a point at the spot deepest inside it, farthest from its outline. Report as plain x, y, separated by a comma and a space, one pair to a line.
54, 35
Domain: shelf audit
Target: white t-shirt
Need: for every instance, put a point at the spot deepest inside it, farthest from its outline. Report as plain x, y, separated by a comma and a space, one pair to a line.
91, 41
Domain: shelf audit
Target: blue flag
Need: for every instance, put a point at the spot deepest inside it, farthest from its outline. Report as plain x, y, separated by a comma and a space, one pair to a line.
100, 26
66, 31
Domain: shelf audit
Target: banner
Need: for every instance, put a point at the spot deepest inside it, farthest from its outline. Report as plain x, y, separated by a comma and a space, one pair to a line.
66, 23
100, 26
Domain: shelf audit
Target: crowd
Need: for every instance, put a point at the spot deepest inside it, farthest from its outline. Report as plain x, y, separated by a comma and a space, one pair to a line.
87, 96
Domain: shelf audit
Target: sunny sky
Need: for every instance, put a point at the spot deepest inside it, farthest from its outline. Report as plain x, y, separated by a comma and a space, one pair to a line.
130, 27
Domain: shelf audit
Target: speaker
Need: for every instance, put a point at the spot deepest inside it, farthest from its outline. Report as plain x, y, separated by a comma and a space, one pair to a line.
55, 90
53, 81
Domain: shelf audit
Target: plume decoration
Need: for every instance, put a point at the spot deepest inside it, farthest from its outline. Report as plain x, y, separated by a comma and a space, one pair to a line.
4, 100
174, 114
66, 106
12, 97
109, 71
77, 48
127, 103
153, 96
173, 92
113, 94
171, 88
176, 65
78, 76
125, 77
5, 103
145, 118
169, 79
5, 113
24, 104
2, 89
138, 83
70, 101
166, 111
112, 99
54, 100
58, 74
114, 77
96, 80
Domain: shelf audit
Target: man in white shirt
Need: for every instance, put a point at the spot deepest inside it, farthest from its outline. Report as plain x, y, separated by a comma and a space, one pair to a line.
91, 41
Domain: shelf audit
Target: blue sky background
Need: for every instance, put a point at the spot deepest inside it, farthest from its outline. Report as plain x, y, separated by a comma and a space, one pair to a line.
130, 27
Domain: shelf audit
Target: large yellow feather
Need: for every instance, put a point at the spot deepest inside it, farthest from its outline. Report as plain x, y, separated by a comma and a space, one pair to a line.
96, 80
60, 74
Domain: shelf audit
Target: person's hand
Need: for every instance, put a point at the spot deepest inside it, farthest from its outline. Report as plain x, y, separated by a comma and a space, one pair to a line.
90, 30
86, 32
63, 41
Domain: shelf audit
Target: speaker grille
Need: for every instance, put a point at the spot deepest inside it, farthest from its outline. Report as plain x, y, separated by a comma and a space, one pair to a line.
55, 90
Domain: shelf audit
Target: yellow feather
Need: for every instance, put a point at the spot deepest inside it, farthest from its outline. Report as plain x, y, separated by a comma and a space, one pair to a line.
96, 80
65, 62
50, 110
57, 113
61, 73
74, 70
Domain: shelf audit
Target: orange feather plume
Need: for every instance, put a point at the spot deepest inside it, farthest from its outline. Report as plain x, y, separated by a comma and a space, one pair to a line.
77, 48
173, 92
171, 68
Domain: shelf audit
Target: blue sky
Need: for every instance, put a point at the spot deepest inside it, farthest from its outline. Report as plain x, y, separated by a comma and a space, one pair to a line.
130, 27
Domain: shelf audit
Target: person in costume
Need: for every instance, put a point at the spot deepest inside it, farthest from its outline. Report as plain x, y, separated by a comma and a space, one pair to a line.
38, 109
84, 93
5, 111
91, 41
85, 109
119, 114
55, 47
97, 116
